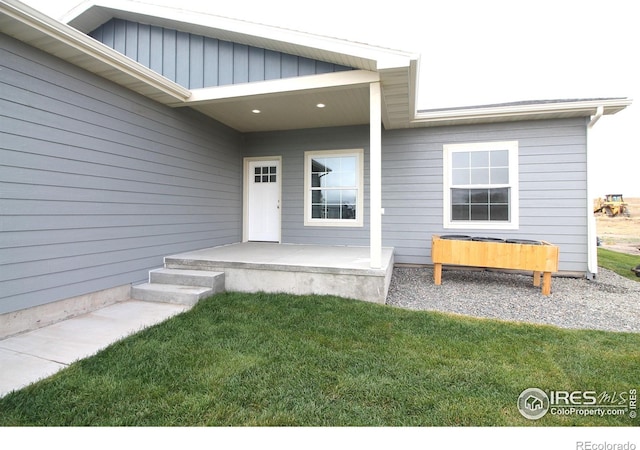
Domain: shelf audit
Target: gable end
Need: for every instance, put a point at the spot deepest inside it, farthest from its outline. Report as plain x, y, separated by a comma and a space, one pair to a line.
195, 61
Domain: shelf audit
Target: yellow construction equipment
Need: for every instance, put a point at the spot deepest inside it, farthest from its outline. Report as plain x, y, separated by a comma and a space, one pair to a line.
612, 205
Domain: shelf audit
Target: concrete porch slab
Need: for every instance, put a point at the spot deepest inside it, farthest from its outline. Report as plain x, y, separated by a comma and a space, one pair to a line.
294, 268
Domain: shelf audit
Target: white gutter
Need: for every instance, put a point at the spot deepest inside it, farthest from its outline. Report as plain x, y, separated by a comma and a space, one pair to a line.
502, 112
592, 233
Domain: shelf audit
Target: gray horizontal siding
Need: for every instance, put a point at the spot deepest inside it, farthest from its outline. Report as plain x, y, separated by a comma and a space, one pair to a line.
195, 61
552, 158
291, 146
98, 184
552, 184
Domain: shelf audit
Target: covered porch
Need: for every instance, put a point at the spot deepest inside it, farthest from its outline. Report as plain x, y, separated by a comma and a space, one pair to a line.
291, 268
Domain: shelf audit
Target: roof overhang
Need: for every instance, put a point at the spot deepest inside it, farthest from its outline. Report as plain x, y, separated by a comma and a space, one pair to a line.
288, 103
38, 30
283, 104
507, 112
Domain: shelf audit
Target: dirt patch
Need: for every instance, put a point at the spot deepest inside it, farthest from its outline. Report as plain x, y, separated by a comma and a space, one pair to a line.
621, 233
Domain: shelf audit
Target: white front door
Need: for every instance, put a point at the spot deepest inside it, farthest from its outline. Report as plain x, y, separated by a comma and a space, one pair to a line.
262, 213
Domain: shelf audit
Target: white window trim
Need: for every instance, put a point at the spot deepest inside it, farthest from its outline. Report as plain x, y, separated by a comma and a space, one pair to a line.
514, 206
308, 220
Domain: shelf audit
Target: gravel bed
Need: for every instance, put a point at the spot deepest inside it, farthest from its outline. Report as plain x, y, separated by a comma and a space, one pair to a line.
610, 303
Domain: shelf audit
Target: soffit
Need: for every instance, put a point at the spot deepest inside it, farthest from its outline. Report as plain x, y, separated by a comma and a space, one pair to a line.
290, 111
287, 104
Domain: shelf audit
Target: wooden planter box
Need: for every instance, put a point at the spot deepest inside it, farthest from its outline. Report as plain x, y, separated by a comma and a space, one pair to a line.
500, 255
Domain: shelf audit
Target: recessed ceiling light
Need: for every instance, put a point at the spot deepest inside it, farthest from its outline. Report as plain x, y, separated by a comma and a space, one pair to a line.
256, 111
321, 105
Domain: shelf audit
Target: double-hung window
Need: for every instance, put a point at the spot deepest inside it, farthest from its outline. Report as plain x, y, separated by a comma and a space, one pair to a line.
481, 185
333, 188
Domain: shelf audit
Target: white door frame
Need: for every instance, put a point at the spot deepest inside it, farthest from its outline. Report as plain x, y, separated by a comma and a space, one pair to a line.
245, 193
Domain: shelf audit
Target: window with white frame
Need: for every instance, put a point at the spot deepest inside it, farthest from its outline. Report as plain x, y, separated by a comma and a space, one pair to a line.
481, 185
333, 182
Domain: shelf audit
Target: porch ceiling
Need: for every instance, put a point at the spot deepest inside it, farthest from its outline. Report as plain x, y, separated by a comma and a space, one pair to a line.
291, 110
334, 99
292, 103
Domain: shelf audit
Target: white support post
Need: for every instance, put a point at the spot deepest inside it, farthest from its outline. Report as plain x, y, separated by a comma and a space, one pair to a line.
375, 174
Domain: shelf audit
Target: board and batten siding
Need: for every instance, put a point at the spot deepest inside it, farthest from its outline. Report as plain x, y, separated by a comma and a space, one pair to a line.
98, 184
195, 61
552, 173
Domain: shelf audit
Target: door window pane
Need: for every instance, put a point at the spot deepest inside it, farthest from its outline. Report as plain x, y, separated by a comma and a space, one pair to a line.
266, 174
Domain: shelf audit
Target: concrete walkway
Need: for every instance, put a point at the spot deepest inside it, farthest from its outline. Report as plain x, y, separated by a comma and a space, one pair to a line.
31, 356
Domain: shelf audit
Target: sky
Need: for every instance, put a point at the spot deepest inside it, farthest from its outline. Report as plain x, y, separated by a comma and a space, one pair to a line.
482, 52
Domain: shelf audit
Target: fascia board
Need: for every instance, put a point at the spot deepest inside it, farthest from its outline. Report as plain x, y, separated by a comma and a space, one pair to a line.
86, 45
280, 86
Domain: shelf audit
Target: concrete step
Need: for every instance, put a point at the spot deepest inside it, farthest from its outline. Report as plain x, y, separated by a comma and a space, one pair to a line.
170, 293
181, 277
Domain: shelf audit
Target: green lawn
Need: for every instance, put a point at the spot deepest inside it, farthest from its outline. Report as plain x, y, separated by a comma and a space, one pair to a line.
621, 263
282, 360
